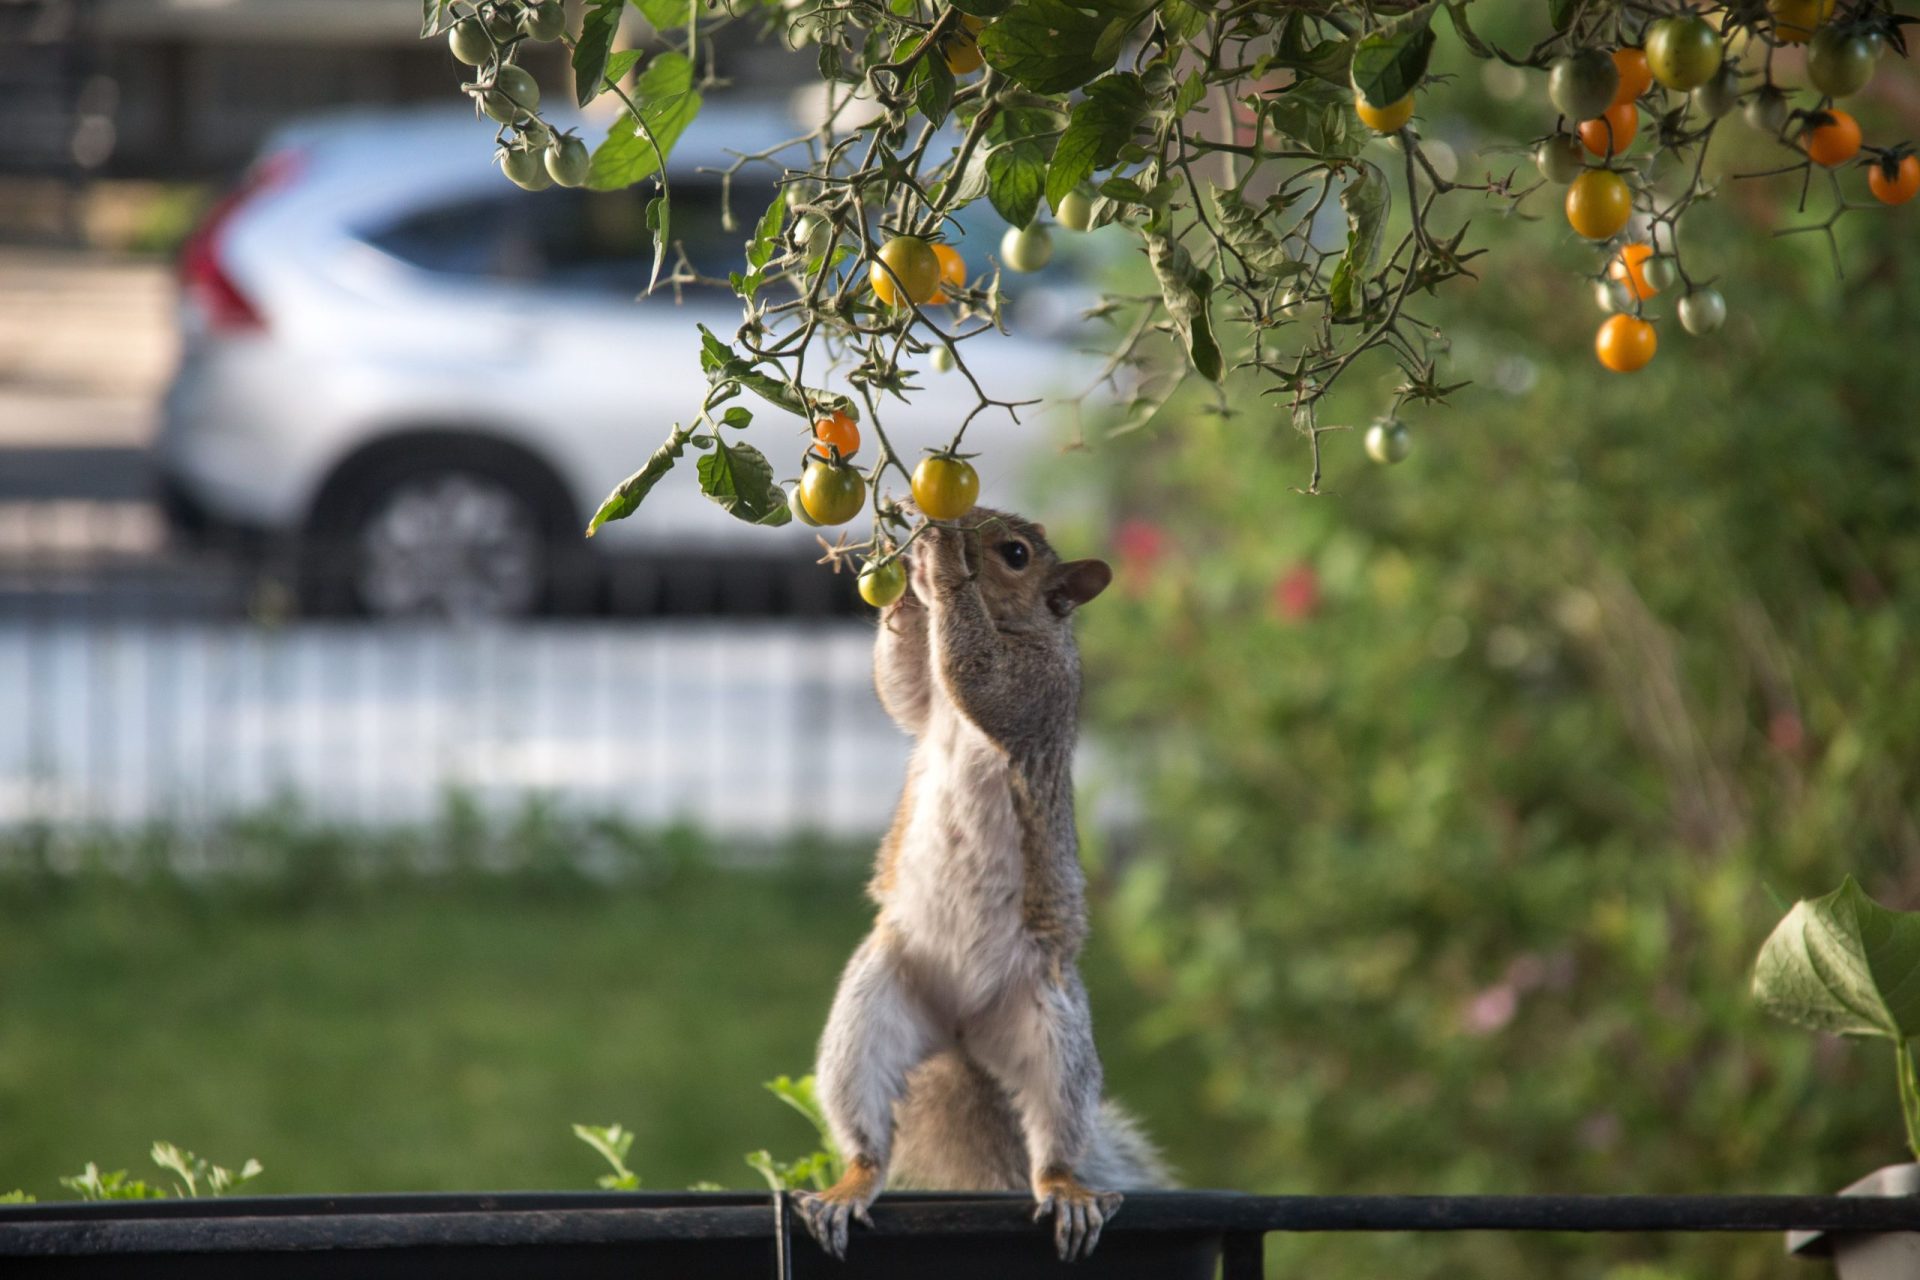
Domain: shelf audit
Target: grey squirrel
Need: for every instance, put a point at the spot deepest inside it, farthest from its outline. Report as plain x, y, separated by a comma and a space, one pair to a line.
959, 1052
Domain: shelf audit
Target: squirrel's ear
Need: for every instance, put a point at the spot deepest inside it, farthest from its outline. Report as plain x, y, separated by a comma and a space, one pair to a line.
1076, 582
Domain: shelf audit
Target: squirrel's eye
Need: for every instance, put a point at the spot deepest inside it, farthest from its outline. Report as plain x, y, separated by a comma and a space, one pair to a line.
1015, 554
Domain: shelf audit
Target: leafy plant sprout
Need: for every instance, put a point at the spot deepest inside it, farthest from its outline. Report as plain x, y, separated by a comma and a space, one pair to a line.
1217, 134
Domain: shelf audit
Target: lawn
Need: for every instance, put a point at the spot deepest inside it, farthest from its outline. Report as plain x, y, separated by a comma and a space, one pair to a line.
432, 1032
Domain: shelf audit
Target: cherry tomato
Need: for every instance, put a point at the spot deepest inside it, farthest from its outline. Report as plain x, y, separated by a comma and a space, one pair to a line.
883, 582
1629, 269
799, 508
568, 161
973, 24
836, 431
1075, 212
1719, 95
1839, 64
907, 264
1026, 248
1612, 133
953, 272
1388, 441
1559, 158
1832, 138
1894, 183
1388, 119
832, 494
962, 53
1683, 52
469, 43
940, 359
1635, 77
1611, 296
1766, 110
1583, 83
518, 84
1702, 310
1625, 343
945, 487
546, 20
1794, 21
1599, 203
527, 169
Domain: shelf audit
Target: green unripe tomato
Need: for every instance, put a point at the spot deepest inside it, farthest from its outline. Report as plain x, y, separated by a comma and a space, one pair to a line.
518, 84
1611, 296
469, 43
1026, 248
1388, 441
814, 236
799, 509
1582, 84
503, 24
1839, 64
1719, 95
832, 493
1660, 272
527, 169
1766, 110
1702, 311
568, 161
1683, 52
1075, 212
1876, 41
1560, 158
546, 20
883, 583
941, 359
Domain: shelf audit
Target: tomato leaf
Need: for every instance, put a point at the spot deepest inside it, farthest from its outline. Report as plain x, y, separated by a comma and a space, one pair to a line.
628, 494
1319, 116
933, 87
1187, 291
760, 250
591, 50
1100, 125
433, 17
1844, 964
619, 65
720, 364
667, 102
1018, 143
665, 15
1049, 46
1387, 64
1245, 229
1365, 200
740, 479
983, 8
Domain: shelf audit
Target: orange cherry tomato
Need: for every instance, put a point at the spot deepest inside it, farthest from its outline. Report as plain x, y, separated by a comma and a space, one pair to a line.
953, 273
1599, 202
837, 431
1834, 141
1629, 268
1612, 133
1635, 76
1625, 343
1897, 185
1388, 119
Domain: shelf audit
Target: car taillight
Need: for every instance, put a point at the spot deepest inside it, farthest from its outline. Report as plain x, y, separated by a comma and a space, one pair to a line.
203, 275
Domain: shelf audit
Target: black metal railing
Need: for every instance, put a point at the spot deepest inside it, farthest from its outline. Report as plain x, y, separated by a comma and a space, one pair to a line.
1161, 1234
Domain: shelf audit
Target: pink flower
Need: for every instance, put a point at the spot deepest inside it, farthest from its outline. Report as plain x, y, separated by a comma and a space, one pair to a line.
1492, 1009
1296, 596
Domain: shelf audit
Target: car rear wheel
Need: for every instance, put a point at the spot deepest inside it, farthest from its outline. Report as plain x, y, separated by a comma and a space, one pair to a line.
468, 536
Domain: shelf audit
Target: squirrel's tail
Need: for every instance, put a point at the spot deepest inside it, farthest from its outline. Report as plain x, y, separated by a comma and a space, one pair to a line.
955, 1130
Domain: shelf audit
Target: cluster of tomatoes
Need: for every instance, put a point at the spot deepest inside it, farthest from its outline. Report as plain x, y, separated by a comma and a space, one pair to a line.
532, 155
1685, 54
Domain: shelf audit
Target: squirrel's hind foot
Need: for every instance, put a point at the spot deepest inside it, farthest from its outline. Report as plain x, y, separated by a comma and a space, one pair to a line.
829, 1214
1078, 1212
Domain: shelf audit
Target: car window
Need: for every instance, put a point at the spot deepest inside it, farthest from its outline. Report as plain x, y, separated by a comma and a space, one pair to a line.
571, 240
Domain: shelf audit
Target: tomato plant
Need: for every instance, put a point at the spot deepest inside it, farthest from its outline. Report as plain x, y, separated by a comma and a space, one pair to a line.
1210, 136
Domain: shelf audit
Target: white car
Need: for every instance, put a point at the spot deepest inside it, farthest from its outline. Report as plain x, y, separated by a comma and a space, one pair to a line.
423, 380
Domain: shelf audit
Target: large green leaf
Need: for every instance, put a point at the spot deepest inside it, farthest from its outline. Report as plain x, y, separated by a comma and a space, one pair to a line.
1844, 964
1049, 45
1244, 227
591, 50
1100, 125
1387, 65
1319, 116
740, 479
1188, 293
1365, 200
629, 493
1019, 141
667, 102
665, 15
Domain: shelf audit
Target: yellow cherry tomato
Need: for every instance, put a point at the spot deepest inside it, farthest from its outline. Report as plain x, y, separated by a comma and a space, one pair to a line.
1599, 203
945, 487
1388, 119
907, 264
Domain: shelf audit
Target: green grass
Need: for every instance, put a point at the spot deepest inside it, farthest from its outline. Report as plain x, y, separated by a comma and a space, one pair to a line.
410, 1033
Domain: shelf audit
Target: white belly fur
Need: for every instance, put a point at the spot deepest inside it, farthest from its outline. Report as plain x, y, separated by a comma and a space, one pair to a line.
959, 880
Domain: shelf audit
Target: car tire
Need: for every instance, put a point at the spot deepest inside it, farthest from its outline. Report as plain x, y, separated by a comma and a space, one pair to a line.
462, 528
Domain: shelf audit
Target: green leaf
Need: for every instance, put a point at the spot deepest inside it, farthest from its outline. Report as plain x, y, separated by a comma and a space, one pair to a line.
932, 86
1324, 60
668, 104
1365, 200
1388, 64
1188, 95
1012, 167
1844, 964
1559, 12
620, 64
737, 417
802, 1097
983, 8
1100, 125
1187, 291
1244, 227
660, 222
1049, 46
665, 15
433, 17
628, 494
765, 242
740, 479
720, 364
1319, 116
1183, 20
591, 50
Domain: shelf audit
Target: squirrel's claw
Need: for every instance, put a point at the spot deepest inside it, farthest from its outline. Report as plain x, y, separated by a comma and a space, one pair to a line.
1078, 1216
827, 1220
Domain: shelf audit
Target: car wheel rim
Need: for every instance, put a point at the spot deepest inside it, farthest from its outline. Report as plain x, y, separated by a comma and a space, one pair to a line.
454, 545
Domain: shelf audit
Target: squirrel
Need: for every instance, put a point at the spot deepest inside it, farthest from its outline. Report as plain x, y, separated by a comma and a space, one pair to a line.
959, 1051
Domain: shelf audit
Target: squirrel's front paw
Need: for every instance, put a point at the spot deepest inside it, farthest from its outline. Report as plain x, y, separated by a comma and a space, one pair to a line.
1078, 1213
830, 1213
